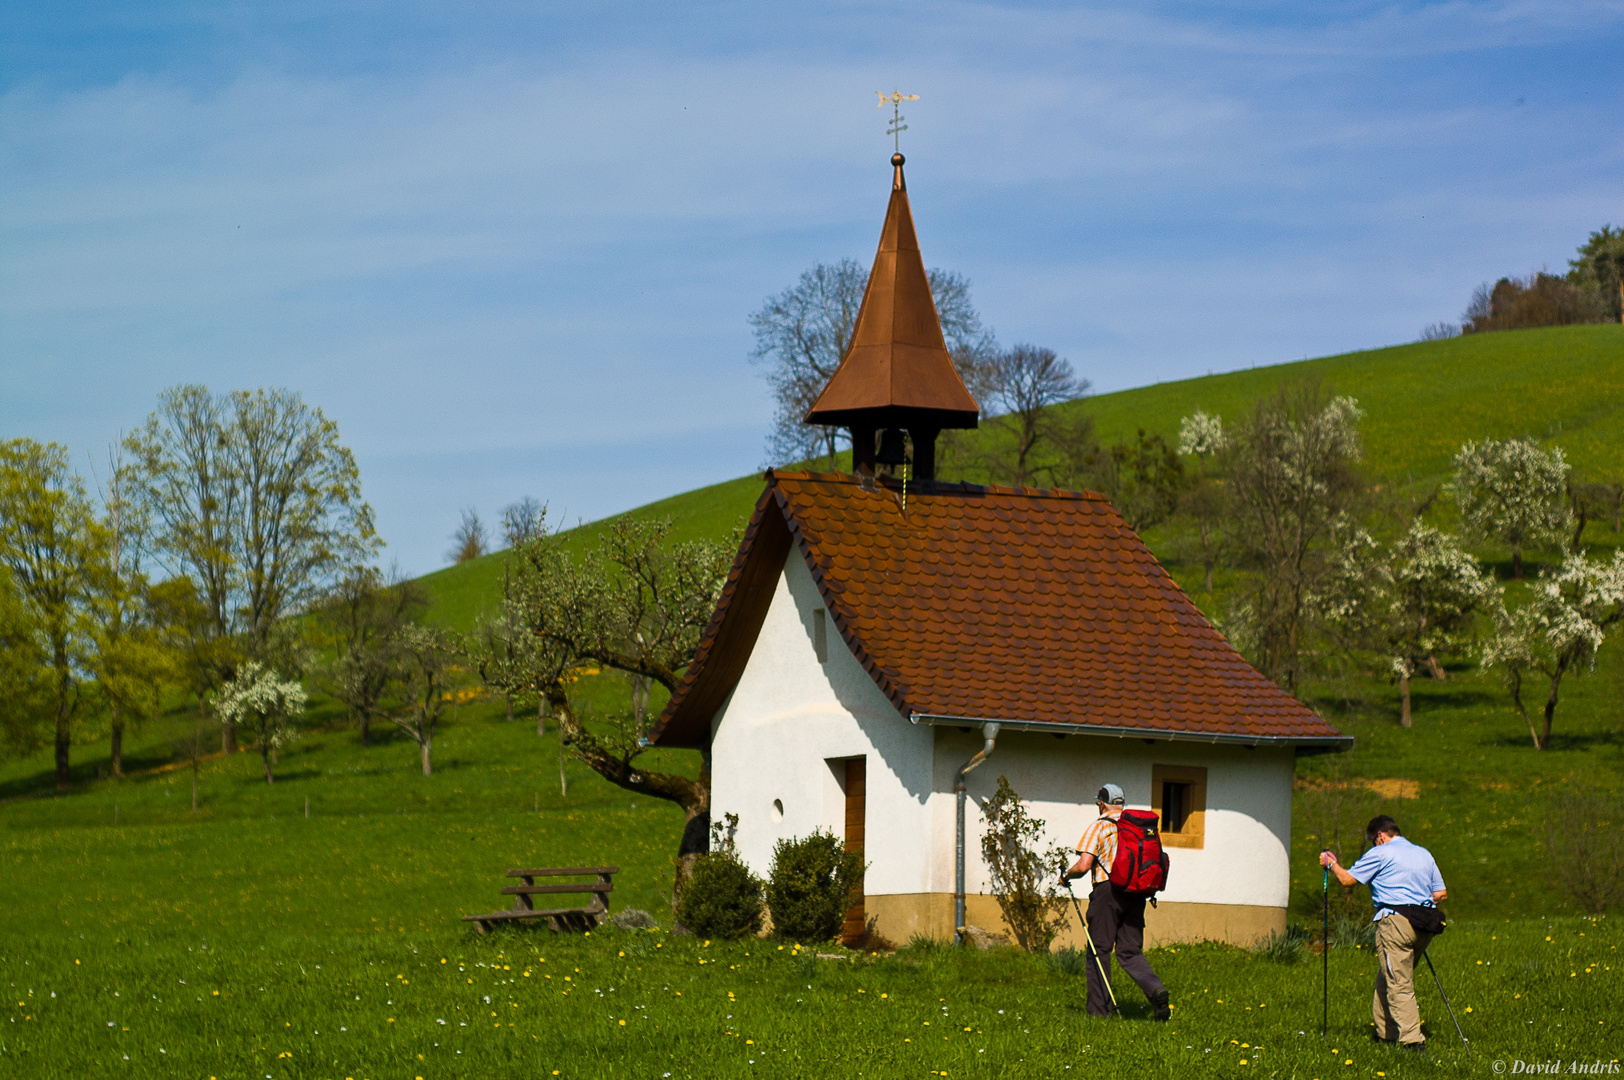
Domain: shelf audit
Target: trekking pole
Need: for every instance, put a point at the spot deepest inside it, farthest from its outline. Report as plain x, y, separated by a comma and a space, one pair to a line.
1325, 951
1088, 947
1464, 1040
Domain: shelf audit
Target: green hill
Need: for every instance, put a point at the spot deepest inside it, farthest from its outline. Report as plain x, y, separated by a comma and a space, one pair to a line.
1563, 385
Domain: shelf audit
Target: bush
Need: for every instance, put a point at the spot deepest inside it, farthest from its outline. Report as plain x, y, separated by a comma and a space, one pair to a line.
721, 898
1068, 961
811, 886
633, 919
1023, 882
1286, 948
1584, 847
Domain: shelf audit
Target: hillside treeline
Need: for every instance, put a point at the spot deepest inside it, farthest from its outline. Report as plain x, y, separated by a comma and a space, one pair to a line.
1592, 291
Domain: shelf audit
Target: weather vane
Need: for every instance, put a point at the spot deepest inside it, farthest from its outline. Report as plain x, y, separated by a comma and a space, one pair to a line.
896, 98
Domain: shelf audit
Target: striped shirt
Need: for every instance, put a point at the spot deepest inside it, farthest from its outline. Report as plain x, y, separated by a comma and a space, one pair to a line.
1100, 841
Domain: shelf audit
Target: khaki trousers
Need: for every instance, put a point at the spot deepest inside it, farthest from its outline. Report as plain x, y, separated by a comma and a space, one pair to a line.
1398, 947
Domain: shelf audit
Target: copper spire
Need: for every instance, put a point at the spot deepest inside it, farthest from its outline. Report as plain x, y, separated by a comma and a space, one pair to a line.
897, 372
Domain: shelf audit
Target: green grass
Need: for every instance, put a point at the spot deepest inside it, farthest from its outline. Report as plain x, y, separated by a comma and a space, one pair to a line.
316, 924
247, 892
173, 1002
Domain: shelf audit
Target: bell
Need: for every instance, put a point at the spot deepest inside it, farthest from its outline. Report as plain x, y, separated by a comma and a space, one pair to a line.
893, 448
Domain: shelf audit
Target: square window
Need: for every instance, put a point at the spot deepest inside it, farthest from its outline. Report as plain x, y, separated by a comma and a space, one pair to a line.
1178, 795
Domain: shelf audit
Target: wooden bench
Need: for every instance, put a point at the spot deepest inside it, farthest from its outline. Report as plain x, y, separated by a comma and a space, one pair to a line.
560, 919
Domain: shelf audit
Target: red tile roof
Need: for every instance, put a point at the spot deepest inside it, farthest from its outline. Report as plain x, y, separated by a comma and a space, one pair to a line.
1018, 605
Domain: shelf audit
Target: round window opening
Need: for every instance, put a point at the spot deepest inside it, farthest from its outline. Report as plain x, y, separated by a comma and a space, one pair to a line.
778, 811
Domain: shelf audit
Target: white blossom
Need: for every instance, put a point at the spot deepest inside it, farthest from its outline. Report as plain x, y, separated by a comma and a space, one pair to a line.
1513, 492
1201, 434
257, 696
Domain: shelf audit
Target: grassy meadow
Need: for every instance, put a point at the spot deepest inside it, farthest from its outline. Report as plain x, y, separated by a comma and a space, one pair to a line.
312, 928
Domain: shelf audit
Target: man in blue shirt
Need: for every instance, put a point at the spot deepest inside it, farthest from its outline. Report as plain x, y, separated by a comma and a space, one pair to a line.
1400, 875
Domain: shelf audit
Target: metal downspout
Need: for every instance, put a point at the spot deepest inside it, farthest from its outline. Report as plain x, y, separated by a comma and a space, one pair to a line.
989, 732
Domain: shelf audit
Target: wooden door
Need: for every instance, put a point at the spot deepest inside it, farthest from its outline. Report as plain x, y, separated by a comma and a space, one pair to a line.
856, 797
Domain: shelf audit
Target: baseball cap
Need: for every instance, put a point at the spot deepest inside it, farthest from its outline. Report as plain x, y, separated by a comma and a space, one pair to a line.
1110, 793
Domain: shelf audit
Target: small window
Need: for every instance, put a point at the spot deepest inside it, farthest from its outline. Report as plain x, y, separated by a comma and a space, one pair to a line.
820, 635
1179, 796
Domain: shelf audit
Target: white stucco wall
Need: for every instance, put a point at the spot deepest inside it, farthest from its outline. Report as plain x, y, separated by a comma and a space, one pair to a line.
1244, 858
790, 715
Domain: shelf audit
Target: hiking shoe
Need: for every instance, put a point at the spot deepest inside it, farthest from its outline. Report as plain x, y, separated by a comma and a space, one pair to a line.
1414, 1048
1160, 1009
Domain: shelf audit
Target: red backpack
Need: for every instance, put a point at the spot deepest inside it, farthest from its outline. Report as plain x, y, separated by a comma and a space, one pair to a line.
1140, 868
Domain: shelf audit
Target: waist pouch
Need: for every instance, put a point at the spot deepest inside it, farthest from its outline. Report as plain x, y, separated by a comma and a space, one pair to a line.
1424, 920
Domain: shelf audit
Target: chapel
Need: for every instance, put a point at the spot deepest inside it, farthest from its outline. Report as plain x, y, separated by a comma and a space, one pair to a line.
888, 644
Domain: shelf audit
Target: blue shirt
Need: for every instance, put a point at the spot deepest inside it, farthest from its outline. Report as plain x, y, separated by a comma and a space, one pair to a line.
1398, 872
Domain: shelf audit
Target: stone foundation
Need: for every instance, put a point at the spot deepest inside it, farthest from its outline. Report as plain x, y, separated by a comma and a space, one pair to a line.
900, 916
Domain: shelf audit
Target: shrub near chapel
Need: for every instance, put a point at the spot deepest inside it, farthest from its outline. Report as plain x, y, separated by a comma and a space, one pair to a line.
721, 898
812, 883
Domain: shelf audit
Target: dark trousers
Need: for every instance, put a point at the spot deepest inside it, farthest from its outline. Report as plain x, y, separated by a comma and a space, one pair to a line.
1116, 923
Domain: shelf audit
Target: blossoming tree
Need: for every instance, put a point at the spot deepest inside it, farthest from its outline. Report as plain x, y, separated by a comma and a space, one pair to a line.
1513, 492
1557, 630
266, 704
1408, 601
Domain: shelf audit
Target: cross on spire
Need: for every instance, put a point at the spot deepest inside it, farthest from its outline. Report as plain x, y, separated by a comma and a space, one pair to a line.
895, 98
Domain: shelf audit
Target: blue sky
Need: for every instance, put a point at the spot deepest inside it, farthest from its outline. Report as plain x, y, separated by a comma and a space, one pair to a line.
511, 247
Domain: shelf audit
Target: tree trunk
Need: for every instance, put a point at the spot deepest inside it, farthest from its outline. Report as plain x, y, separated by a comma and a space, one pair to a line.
1404, 701
1436, 670
116, 752
366, 728
541, 718
692, 795
1543, 742
265, 756
63, 776
1516, 564
509, 707
64, 714
1208, 568
228, 737
423, 748
1516, 699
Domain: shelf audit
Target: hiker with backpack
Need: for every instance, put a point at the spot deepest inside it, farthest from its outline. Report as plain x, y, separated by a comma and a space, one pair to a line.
1122, 854
1406, 888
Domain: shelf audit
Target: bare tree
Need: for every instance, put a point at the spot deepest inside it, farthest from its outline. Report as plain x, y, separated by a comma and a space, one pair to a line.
1293, 469
426, 664
1023, 383
469, 541
364, 620
523, 520
803, 333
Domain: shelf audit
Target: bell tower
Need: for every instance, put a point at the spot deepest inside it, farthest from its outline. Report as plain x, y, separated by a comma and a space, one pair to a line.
897, 374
